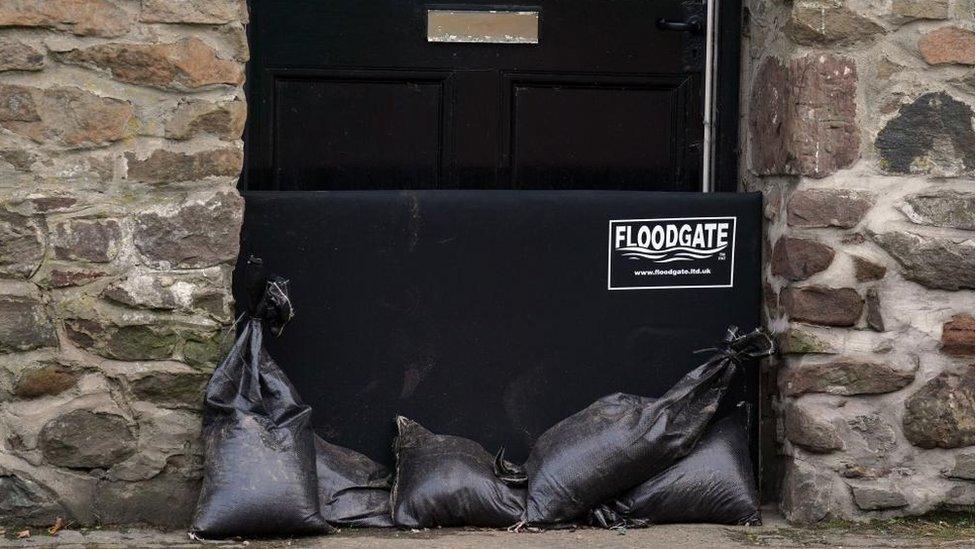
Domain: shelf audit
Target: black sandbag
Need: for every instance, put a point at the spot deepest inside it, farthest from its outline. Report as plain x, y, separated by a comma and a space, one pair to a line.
622, 440
444, 480
712, 484
354, 490
259, 459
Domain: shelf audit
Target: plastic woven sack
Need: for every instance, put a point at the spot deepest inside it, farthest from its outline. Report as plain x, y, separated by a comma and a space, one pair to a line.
712, 484
259, 459
444, 480
354, 490
622, 440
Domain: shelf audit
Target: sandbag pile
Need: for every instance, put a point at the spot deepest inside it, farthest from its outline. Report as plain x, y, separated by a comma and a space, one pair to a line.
625, 460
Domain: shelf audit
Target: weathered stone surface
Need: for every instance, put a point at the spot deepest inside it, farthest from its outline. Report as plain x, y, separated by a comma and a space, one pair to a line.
823, 22
206, 12
866, 270
134, 342
201, 291
95, 240
86, 440
947, 45
807, 493
814, 208
877, 499
940, 414
799, 259
803, 117
844, 376
796, 341
957, 335
822, 305
872, 314
187, 64
934, 262
24, 501
963, 468
18, 56
171, 388
874, 438
66, 276
64, 115
45, 380
81, 17
21, 244
931, 135
910, 10
195, 234
24, 324
224, 119
804, 428
166, 500
961, 498
940, 208
163, 166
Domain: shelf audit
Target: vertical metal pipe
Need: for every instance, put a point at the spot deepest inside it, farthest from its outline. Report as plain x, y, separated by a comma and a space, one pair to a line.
711, 60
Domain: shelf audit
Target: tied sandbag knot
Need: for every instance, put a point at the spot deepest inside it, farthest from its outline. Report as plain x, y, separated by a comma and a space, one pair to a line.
269, 300
741, 347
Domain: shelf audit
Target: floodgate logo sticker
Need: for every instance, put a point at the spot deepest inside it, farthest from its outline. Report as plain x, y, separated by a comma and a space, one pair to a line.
669, 253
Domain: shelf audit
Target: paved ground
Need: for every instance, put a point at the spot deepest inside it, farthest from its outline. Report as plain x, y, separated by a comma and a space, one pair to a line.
775, 533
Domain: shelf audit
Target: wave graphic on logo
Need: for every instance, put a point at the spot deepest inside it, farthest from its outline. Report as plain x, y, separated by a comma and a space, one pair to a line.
669, 255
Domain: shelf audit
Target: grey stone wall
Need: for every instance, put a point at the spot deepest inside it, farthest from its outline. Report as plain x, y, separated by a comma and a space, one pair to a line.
120, 126
858, 128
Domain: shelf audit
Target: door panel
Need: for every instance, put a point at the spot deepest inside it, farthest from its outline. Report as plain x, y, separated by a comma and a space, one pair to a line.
351, 95
345, 131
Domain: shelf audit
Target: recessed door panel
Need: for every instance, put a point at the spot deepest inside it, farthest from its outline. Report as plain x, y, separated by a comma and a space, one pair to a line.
337, 133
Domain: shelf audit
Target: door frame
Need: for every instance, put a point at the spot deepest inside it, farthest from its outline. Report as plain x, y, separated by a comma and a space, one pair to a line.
724, 31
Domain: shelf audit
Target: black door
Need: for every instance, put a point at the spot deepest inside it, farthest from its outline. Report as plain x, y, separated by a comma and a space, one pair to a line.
356, 95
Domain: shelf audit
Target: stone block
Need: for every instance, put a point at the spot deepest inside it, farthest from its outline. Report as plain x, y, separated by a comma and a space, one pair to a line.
957, 335
822, 305
193, 234
803, 117
870, 498
66, 116
806, 428
934, 262
940, 414
224, 119
866, 270
828, 22
85, 440
94, 240
22, 244
844, 376
815, 208
198, 12
24, 324
80, 17
18, 56
798, 258
187, 64
947, 45
931, 135
164, 166
807, 494
940, 208
45, 380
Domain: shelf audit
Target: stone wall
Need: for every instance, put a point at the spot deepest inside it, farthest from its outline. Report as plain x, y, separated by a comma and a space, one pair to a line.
120, 126
858, 128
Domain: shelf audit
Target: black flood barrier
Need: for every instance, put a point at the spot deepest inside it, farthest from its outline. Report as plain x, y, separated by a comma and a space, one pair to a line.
712, 484
354, 490
493, 315
259, 460
444, 480
622, 440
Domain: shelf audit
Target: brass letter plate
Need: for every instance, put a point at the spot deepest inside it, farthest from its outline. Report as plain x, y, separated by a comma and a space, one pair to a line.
483, 27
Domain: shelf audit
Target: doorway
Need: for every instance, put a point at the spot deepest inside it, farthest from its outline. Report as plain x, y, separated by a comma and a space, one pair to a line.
387, 95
